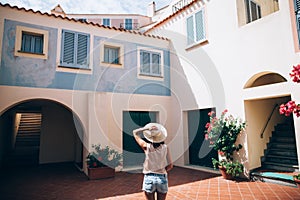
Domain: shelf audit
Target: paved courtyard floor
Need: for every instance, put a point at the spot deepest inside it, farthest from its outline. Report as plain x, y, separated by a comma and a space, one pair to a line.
65, 182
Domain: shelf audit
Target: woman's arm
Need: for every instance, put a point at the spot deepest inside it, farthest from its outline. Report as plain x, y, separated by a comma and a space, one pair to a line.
138, 139
169, 161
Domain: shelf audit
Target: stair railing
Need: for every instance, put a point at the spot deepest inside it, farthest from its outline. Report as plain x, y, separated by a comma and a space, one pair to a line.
270, 116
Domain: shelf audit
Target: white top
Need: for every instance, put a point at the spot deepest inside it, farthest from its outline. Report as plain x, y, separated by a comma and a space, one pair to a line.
156, 159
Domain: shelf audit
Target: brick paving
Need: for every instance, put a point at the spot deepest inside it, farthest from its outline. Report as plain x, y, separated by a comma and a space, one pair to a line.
66, 182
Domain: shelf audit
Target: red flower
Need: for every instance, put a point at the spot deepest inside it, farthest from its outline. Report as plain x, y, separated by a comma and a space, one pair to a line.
94, 164
221, 153
295, 74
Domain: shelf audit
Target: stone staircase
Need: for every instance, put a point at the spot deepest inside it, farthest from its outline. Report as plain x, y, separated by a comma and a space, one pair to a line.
281, 152
280, 158
27, 143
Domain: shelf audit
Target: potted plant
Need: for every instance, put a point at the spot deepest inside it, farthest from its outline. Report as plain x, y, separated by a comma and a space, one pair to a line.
296, 178
101, 162
223, 133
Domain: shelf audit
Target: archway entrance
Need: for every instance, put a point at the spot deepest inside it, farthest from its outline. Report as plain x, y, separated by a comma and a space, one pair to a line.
40, 131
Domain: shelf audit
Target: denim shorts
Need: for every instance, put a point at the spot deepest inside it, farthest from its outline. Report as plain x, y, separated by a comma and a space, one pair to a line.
155, 183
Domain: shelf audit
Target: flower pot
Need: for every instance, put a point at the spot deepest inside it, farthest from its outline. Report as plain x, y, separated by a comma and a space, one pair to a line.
297, 181
100, 173
224, 174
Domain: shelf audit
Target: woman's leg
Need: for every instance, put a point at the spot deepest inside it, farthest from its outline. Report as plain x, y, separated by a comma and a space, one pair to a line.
150, 196
161, 196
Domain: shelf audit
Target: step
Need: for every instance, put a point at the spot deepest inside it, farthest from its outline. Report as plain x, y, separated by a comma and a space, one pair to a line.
281, 159
279, 152
280, 167
273, 177
282, 146
284, 127
290, 140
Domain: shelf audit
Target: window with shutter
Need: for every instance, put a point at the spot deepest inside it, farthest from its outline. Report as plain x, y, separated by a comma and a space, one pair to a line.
150, 63
106, 22
75, 49
253, 11
111, 55
31, 42
128, 24
195, 26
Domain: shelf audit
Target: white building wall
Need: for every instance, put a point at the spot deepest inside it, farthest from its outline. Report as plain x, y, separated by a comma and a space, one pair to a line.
233, 55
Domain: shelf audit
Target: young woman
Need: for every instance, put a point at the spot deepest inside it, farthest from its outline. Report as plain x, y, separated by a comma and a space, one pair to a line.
157, 161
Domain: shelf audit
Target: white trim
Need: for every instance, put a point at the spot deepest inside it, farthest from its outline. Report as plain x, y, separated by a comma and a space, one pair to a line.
150, 77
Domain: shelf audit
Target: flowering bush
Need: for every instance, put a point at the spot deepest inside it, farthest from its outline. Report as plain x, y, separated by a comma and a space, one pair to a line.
295, 74
101, 157
291, 107
223, 132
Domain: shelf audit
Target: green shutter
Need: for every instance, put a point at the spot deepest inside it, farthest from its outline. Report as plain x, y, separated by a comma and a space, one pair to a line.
190, 30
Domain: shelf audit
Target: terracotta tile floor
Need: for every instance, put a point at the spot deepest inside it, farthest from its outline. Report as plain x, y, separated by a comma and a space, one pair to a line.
67, 183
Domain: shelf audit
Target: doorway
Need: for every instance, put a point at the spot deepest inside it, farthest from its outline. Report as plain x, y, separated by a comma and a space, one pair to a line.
133, 155
200, 153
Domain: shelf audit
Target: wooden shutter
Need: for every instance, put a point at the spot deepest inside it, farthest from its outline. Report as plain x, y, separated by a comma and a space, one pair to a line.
82, 49
68, 48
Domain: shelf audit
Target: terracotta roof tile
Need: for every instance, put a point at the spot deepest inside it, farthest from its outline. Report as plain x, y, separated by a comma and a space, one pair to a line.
77, 21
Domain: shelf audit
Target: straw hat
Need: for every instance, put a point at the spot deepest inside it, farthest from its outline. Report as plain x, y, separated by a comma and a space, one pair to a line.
155, 136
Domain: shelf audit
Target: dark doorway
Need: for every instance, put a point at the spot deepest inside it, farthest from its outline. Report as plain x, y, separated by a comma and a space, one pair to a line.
133, 155
199, 151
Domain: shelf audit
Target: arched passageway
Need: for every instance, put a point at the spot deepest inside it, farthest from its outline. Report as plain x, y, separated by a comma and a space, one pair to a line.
40, 131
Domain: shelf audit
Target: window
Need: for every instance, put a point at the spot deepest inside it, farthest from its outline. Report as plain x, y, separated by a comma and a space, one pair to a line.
196, 32
111, 54
128, 24
150, 63
31, 42
75, 49
297, 13
106, 22
253, 11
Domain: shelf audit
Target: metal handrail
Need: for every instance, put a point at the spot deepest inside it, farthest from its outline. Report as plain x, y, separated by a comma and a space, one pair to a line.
262, 133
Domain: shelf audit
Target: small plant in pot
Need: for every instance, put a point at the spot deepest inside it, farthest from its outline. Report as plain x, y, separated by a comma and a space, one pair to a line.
296, 178
222, 133
101, 162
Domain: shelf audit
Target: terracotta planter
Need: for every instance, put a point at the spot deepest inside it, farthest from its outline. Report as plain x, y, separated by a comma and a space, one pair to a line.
100, 172
297, 181
224, 174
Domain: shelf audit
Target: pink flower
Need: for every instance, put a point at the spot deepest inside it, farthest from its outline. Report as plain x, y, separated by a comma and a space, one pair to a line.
206, 136
99, 158
211, 113
207, 125
221, 153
